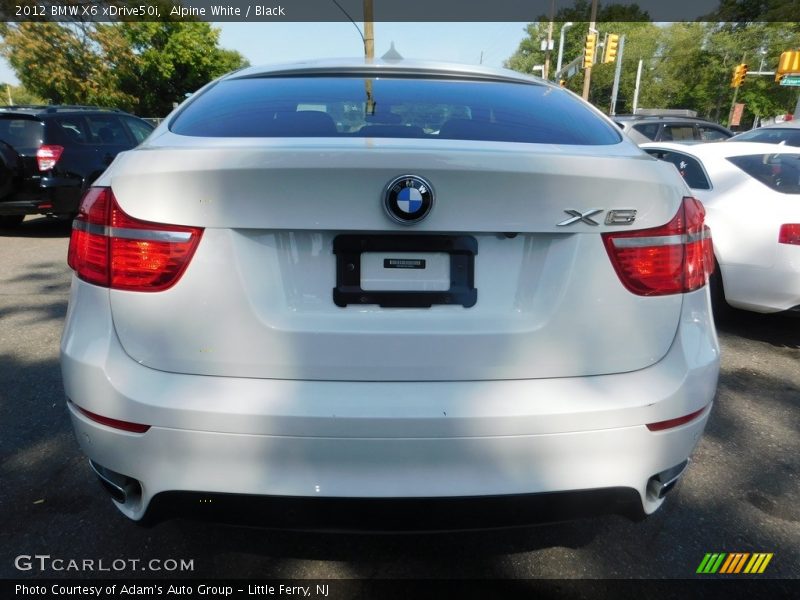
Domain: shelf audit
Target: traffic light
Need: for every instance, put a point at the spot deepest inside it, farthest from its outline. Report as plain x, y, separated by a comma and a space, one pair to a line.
739, 73
562, 82
788, 63
588, 50
610, 52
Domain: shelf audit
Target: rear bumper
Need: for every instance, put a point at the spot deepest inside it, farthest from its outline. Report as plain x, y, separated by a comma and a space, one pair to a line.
765, 290
383, 439
395, 515
52, 196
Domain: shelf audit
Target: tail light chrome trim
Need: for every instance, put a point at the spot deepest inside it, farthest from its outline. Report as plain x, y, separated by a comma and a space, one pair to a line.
132, 234
667, 240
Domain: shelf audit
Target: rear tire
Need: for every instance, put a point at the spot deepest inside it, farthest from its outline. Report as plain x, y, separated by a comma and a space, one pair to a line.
11, 221
722, 310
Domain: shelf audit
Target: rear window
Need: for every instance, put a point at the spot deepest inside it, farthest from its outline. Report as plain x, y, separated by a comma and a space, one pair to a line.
650, 130
386, 107
712, 134
777, 135
678, 133
24, 135
781, 172
689, 167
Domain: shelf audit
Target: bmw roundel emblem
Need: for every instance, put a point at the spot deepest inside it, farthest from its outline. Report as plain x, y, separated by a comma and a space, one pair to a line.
408, 199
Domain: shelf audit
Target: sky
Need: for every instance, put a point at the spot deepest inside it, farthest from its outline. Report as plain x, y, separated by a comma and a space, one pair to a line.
264, 43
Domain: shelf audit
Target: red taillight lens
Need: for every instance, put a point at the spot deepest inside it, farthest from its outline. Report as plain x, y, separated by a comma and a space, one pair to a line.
672, 259
669, 424
789, 234
112, 249
47, 156
115, 423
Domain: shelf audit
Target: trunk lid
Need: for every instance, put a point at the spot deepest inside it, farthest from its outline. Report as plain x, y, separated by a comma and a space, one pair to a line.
549, 303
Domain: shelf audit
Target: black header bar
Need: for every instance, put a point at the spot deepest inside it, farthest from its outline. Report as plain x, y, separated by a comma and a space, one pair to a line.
395, 10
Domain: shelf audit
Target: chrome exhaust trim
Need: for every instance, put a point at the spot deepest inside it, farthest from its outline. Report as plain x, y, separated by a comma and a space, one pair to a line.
121, 488
662, 483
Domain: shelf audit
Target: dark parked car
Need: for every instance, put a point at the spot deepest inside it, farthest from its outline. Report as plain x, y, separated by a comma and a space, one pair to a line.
669, 128
49, 155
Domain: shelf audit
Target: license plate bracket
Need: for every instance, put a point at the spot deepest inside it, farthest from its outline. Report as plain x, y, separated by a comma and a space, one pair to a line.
349, 248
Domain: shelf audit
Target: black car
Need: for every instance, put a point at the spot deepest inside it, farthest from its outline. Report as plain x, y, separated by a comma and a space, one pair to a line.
670, 128
50, 154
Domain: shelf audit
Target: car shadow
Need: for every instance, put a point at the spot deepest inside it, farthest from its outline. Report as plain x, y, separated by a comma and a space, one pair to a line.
781, 330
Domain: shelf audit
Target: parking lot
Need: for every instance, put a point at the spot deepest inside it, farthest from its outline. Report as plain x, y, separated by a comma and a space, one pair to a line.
740, 493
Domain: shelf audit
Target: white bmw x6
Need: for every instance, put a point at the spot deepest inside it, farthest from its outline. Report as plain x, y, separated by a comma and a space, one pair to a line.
388, 281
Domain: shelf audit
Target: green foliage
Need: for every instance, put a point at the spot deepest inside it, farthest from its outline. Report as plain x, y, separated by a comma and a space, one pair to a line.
685, 65
18, 95
140, 67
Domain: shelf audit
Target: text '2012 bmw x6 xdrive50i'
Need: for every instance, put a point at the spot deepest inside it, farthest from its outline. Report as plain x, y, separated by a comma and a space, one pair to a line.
383, 281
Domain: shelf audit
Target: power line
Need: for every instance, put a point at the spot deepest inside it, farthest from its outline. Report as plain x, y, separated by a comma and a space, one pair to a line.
351, 20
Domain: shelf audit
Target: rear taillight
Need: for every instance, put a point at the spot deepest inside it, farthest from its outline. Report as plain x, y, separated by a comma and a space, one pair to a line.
112, 249
115, 423
669, 424
789, 234
672, 259
47, 156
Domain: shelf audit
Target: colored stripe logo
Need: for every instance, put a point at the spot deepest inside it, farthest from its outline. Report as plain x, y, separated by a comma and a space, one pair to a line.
733, 563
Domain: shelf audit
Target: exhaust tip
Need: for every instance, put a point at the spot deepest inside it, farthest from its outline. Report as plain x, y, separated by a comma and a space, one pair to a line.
121, 488
660, 484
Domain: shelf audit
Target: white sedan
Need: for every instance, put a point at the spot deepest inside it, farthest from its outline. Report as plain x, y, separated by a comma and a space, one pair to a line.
751, 192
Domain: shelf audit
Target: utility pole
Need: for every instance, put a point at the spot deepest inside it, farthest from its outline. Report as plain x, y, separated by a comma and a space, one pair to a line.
564, 27
587, 74
369, 53
546, 72
617, 73
636, 89
369, 35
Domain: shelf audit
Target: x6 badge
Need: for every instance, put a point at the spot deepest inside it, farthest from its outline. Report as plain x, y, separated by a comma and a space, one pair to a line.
576, 216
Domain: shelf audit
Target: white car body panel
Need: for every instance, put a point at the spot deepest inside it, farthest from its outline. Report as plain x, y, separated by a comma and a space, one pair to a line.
252, 381
745, 217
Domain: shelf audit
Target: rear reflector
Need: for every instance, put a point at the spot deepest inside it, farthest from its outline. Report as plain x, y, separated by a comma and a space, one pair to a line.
789, 234
112, 249
672, 259
114, 423
662, 425
47, 156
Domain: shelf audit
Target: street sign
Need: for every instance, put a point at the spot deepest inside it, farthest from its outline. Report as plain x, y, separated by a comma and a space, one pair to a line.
736, 114
791, 80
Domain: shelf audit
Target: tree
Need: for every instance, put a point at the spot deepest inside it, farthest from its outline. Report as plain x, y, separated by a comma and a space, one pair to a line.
612, 18
18, 95
140, 67
62, 62
160, 63
695, 62
686, 65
